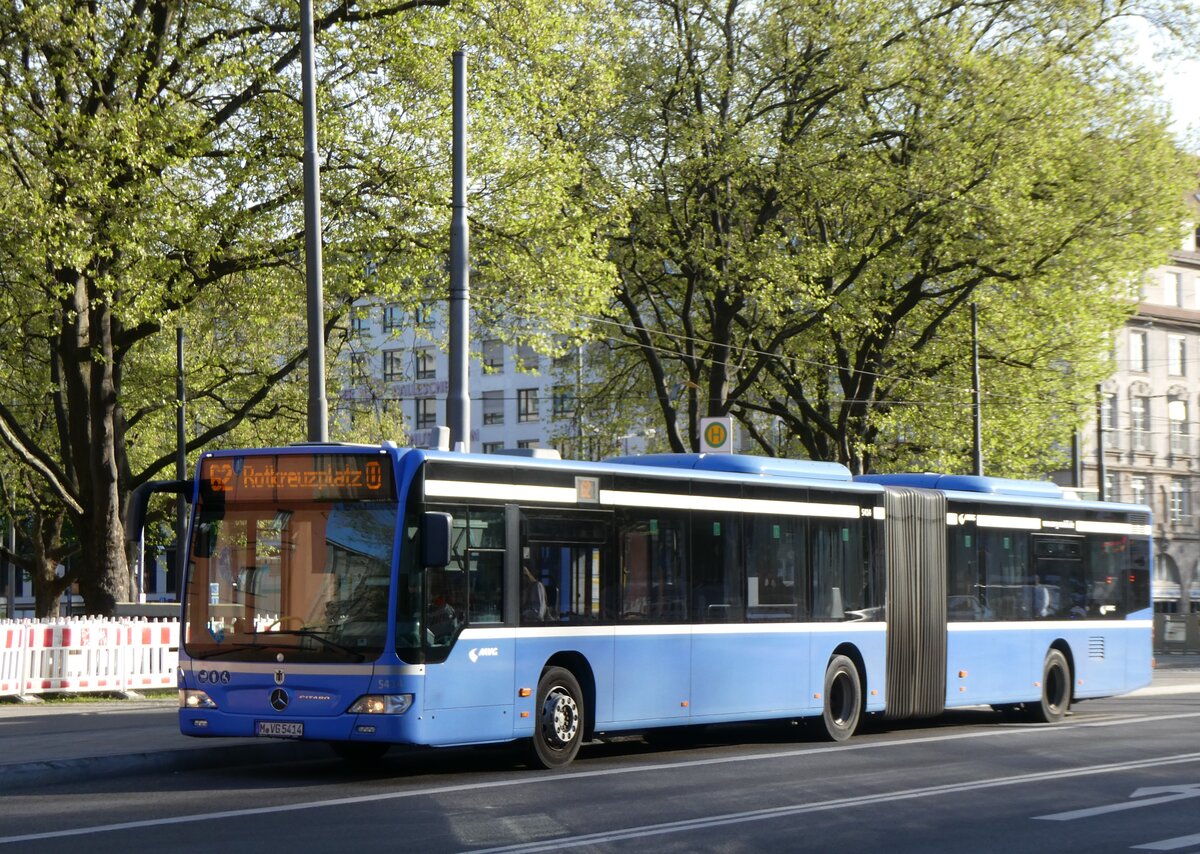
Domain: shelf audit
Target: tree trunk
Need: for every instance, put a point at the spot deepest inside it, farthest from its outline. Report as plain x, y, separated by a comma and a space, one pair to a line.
90, 365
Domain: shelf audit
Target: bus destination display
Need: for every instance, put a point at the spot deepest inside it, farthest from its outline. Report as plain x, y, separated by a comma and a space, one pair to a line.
297, 477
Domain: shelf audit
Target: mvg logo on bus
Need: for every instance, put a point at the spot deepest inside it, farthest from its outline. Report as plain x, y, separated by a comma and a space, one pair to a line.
483, 652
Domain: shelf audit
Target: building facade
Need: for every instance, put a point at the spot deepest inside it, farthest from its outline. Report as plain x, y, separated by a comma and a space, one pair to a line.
1148, 425
518, 398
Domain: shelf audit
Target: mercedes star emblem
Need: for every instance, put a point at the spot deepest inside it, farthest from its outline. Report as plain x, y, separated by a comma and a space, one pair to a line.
279, 699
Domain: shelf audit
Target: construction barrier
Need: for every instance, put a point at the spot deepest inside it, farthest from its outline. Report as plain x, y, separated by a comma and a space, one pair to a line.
82, 654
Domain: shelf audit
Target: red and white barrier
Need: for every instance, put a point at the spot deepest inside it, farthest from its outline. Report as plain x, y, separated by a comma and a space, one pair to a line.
84, 654
13, 646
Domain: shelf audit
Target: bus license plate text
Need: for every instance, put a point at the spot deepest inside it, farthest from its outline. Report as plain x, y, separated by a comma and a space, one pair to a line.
279, 729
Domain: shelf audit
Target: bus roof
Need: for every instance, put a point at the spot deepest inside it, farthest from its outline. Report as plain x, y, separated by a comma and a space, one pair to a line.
742, 464
965, 487
970, 483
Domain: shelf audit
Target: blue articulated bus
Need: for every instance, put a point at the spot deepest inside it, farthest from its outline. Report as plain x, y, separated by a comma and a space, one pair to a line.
368, 596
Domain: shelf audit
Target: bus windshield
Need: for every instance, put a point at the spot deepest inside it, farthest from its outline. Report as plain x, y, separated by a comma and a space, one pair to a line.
300, 577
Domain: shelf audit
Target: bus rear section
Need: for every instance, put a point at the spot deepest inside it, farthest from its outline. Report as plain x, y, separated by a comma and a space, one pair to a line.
1046, 598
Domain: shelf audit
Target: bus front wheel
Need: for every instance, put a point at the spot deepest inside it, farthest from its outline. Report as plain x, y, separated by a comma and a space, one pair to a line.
843, 699
558, 728
1056, 690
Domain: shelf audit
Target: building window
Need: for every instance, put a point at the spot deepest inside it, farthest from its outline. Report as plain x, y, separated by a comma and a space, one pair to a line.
527, 404
393, 317
1177, 415
360, 320
359, 367
493, 356
1137, 489
1173, 288
1108, 412
1139, 421
563, 401
493, 447
393, 365
423, 316
527, 359
426, 361
493, 407
1137, 351
568, 361
1110, 488
426, 413
1176, 355
528, 443
1177, 503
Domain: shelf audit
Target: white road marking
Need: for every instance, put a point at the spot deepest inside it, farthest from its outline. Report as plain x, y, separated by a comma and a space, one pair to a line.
560, 779
1141, 798
841, 803
1165, 690
1170, 844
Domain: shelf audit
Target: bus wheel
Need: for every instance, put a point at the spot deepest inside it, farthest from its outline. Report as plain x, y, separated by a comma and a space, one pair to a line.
1056, 690
558, 730
843, 699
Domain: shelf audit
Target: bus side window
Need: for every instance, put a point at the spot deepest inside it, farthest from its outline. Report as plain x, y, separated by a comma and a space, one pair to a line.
777, 580
839, 571
717, 567
964, 589
653, 551
487, 585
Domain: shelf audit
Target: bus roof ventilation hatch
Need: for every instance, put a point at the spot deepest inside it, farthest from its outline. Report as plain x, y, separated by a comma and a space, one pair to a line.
969, 483
746, 464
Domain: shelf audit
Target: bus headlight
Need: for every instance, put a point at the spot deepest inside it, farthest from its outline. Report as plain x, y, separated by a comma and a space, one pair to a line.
381, 704
195, 700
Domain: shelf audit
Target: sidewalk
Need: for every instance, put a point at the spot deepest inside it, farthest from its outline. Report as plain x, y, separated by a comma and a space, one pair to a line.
1177, 661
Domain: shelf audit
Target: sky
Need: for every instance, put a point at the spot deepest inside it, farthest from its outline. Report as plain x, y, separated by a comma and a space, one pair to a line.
1180, 81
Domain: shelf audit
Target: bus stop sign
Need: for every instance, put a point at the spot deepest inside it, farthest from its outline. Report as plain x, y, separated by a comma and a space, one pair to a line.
716, 435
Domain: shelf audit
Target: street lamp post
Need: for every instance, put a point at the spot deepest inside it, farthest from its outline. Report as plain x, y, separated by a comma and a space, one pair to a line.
458, 401
318, 406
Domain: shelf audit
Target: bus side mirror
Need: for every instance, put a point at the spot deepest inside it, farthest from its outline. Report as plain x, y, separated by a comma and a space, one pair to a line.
139, 500
435, 539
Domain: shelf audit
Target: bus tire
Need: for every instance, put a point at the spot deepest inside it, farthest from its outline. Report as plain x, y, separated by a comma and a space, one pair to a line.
1056, 690
558, 719
843, 699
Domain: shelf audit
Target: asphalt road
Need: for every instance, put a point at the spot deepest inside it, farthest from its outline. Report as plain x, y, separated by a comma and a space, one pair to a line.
1118, 775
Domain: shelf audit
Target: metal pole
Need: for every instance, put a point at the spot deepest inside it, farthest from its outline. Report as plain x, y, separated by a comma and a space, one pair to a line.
975, 403
318, 406
181, 514
11, 574
458, 402
1101, 474
1076, 460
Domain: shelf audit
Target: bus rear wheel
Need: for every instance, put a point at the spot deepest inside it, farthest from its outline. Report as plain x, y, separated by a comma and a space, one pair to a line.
843, 699
558, 728
1056, 690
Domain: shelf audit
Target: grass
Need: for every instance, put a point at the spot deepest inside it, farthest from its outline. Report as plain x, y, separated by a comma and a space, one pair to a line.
95, 696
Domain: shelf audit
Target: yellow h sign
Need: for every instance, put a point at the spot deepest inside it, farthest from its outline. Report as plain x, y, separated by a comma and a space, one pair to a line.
716, 435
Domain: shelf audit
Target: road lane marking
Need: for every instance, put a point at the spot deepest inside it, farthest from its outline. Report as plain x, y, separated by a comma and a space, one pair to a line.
1170, 844
561, 778
1143, 797
1165, 690
691, 825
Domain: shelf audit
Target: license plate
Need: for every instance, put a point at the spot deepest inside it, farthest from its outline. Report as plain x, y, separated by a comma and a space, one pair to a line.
279, 729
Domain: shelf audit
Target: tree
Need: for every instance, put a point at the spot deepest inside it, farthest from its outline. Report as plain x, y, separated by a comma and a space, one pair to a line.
151, 178
819, 190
